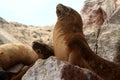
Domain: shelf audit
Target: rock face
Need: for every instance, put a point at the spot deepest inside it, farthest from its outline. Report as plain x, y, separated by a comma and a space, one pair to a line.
93, 17
54, 69
108, 6
101, 27
109, 39
109, 42
6, 37
115, 19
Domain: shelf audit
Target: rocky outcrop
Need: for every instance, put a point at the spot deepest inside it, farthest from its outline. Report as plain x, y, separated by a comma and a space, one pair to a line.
30, 33
93, 17
115, 19
101, 27
54, 69
94, 14
109, 39
24, 33
108, 6
6, 37
109, 42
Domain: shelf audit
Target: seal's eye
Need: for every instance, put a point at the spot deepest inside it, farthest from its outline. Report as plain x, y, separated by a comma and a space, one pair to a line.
59, 13
38, 51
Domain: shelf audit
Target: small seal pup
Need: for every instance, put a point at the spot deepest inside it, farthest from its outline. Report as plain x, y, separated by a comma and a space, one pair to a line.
42, 49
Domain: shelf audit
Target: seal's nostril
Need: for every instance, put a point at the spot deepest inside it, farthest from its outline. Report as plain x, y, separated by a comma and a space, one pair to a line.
59, 5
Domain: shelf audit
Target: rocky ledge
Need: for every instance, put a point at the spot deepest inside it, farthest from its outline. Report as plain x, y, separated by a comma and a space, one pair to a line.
54, 69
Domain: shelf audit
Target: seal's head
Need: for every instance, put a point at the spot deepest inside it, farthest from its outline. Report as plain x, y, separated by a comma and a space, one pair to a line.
62, 10
68, 17
43, 50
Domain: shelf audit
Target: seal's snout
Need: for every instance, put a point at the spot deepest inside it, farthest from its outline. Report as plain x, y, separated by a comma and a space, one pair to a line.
61, 9
36, 44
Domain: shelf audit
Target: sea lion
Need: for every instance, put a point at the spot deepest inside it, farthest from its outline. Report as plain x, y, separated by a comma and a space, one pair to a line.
42, 49
70, 45
67, 25
15, 53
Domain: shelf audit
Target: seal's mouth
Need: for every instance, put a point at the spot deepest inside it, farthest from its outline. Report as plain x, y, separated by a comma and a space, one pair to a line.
61, 10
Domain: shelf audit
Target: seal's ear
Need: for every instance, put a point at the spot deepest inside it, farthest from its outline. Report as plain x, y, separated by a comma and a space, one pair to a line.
62, 10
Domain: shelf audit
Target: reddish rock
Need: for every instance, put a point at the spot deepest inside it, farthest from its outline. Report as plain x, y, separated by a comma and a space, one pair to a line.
54, 69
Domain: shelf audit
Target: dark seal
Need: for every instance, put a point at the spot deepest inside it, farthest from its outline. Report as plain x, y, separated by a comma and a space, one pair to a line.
42, 49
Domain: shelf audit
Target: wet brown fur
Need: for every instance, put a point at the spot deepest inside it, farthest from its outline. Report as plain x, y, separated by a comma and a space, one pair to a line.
70, 45
15, 53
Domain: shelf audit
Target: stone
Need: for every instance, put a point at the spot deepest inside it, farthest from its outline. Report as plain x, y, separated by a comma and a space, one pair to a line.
109, 39
6, 37
104, 38
115, 19
54, 69
109, 42
93, 18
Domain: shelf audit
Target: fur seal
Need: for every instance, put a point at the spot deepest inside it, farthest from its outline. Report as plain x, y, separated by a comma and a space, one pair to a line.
42, 49
67, 25
15, 53
70, 45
